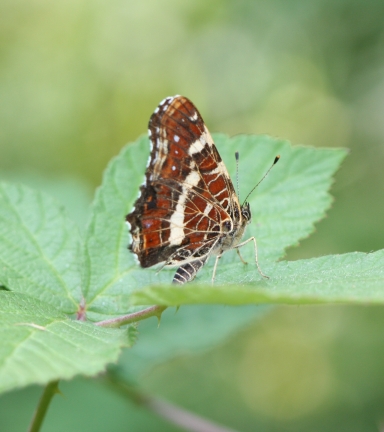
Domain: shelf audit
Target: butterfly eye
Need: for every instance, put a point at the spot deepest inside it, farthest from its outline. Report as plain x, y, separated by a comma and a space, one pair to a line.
246, 212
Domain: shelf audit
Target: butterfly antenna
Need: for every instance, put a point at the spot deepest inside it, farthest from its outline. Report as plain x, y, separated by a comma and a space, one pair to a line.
237, 174
265, 175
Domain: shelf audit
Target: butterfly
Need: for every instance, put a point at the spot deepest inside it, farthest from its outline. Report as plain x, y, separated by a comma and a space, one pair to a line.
187, 209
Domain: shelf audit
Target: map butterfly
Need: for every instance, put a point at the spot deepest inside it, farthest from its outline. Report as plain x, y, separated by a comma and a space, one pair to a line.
187, 208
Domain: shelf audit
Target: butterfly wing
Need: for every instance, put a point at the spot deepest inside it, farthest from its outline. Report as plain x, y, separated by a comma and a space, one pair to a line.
187, 202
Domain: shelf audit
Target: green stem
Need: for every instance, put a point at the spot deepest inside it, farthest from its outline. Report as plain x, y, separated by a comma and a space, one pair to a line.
133, 317
177, 416
50, 390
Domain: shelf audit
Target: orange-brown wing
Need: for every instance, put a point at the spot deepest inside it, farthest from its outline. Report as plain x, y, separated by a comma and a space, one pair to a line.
187, 200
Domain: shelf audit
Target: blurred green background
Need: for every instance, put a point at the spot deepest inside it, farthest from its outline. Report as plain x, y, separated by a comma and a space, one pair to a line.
79, 79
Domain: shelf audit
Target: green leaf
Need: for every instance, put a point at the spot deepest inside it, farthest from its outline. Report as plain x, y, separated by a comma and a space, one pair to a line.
40, 248
74, 193
108, 279
350, 278
285, 207
40, 344
41, 254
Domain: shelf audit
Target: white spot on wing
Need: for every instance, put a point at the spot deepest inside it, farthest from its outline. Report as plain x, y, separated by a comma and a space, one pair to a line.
168, 99
136, 258
193, 178
208, 208
216, 170
149, 160
176, 138
196, 147
204, 139
177, 219
173, 168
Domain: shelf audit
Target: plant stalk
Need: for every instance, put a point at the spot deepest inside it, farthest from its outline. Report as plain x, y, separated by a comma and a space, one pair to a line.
177, 416
133, 317
38, 417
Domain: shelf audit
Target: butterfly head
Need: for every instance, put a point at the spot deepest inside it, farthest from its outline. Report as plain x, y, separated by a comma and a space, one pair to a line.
246, 212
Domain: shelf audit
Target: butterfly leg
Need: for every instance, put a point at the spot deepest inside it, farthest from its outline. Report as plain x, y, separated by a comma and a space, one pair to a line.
256, 259
187, 272
214, 269
217, 262
241, 258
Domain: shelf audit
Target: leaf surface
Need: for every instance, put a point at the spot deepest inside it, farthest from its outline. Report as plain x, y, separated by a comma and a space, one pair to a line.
40, 344
349, 278
285, 207
40, 248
